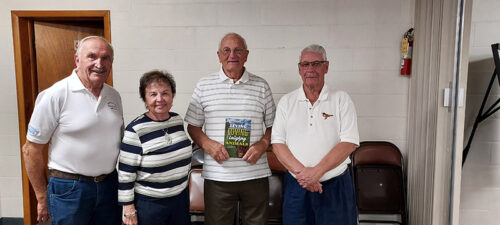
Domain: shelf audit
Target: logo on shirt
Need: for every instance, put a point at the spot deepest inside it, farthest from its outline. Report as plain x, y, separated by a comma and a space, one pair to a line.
325, 115
112, 106
33, 131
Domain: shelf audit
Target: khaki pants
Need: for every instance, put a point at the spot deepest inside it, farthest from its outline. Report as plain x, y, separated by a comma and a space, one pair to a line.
221, 201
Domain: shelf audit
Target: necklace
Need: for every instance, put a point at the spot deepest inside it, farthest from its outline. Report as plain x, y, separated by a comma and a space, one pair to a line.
168, 139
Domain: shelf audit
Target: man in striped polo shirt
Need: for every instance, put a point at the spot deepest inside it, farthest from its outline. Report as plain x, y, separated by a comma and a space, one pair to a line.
233, 94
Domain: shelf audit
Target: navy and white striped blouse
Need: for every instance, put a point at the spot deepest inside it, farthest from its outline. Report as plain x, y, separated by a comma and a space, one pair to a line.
152, 165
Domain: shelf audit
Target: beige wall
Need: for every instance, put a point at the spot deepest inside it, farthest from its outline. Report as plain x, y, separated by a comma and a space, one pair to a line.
480, 197
361, 37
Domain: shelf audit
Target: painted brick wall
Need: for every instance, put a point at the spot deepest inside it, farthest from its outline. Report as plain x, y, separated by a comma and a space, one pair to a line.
480, 197
361, 37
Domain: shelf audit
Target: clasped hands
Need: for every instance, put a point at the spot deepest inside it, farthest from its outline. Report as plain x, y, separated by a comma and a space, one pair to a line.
308, 178
219, 152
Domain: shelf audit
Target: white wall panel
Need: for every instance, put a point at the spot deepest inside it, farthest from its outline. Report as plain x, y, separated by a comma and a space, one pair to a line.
484, 11
375, 128
480, 194
296, 12
369, 82
141, 59
174, 15
495, 153
10, 166
389, 106
242, 13
374, 59
476, 217
11, 206
487, 33
10, 146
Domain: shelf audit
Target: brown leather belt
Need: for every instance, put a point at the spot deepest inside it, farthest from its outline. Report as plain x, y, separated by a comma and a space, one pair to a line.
72, 176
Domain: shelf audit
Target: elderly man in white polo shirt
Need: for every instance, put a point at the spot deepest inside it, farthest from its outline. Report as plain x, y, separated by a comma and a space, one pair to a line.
82, 117
233, 95
314, 132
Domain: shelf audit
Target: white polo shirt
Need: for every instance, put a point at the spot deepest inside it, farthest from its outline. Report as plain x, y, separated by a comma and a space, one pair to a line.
311, 131
84, 132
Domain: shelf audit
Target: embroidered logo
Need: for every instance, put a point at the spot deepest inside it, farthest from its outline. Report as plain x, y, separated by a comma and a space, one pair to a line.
112, 106
325, 115
33, 131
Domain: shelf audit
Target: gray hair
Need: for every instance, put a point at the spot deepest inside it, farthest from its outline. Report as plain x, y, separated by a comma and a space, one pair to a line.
234, 34
314, 48
80, 44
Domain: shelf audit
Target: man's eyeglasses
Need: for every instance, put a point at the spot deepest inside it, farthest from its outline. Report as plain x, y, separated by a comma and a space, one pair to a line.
314, 64
237, 51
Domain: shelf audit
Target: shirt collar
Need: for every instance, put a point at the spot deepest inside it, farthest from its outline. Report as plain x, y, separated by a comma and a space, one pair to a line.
323, 95
75, 83
243, 79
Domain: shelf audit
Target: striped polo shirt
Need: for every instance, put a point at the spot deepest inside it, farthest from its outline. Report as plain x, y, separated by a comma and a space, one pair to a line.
153, 165
215, 98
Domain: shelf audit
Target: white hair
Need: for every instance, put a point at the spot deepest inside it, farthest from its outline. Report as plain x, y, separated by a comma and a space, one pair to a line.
314, 48
80, 44
234, 34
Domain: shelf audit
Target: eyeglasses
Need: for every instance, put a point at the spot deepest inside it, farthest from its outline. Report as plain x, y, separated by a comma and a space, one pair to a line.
314, 64
237, 51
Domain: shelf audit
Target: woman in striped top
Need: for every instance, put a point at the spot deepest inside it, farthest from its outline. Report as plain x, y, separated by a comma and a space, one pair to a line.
155, 158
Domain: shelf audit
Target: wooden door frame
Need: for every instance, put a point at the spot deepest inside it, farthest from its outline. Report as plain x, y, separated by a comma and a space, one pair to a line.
25, 67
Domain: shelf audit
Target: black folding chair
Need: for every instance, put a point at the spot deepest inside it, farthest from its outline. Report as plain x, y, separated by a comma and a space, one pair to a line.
275, 216
379, 180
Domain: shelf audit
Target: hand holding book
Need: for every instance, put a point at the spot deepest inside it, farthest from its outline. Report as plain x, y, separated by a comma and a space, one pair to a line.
216, 150
255, 152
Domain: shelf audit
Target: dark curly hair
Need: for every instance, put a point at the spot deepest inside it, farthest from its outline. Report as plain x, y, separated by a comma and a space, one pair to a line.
155, 76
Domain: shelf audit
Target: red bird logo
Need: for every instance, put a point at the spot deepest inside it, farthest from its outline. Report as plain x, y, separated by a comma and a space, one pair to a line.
325, 115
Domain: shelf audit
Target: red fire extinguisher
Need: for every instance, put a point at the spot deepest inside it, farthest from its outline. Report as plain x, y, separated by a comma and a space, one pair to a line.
406, 52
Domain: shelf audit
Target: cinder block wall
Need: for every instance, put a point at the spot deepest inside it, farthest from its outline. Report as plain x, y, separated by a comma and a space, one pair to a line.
362, 38
480, 197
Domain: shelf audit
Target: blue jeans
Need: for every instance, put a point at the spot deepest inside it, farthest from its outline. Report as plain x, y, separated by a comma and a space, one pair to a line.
76, 202
335, 206
166, 211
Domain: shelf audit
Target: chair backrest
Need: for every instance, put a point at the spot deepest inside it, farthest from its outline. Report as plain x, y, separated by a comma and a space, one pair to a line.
379, 178
196, 202
275, 197
275, 189
274, 163
377, 152
379, 189
197, 159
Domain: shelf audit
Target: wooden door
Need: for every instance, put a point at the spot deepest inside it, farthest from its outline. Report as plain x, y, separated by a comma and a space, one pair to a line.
55, 46
44, 48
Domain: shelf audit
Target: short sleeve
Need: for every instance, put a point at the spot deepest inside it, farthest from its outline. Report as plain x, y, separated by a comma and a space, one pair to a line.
195, 115
349, 124
45, 117
278, 134
270, 107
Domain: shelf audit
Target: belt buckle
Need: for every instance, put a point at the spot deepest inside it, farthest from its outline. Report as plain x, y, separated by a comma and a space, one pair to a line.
99, 178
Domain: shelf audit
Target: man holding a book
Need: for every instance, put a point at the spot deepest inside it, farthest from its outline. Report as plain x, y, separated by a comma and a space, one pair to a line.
236, 110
